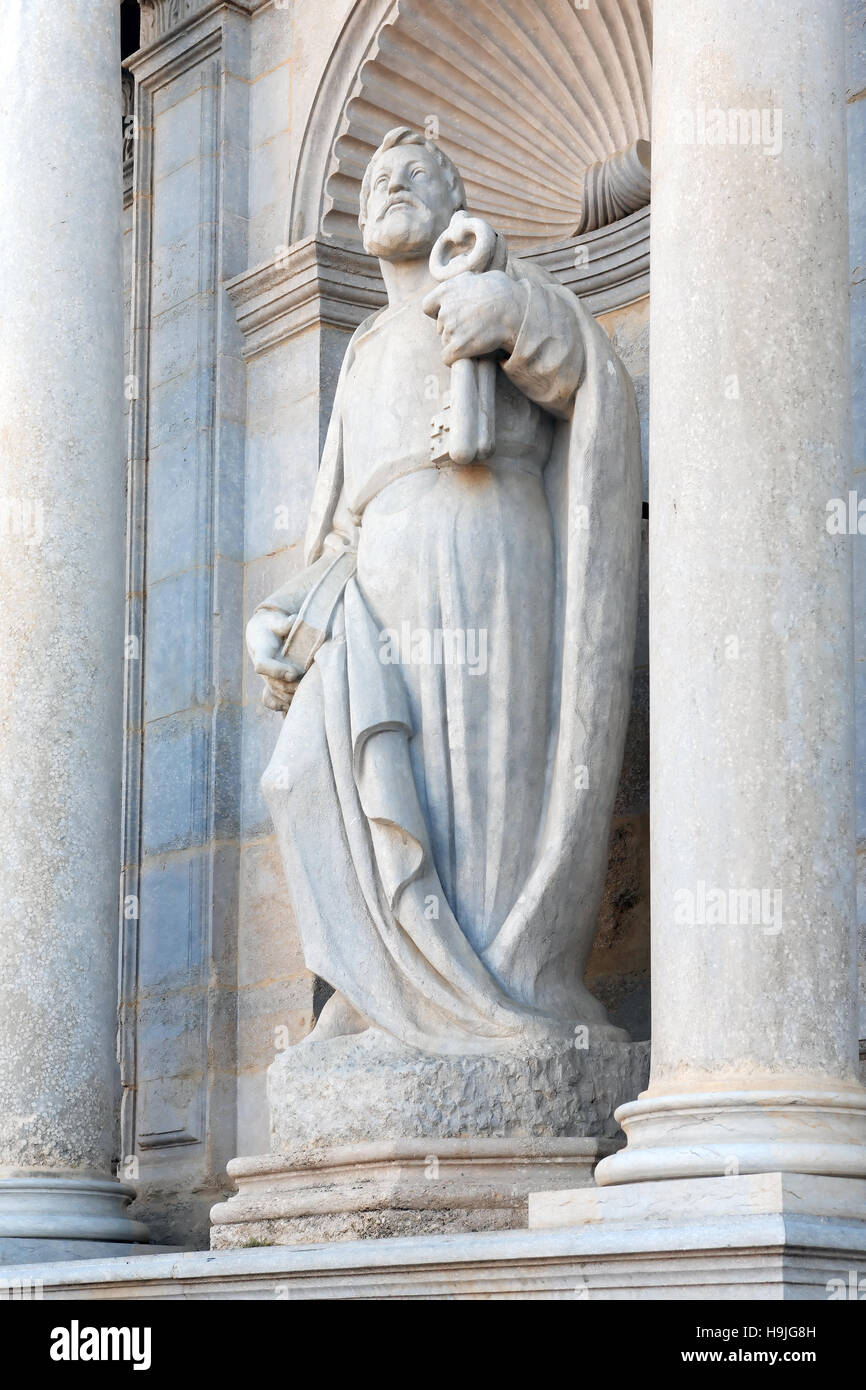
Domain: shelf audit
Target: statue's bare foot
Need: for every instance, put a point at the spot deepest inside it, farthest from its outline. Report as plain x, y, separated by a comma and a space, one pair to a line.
338, 1019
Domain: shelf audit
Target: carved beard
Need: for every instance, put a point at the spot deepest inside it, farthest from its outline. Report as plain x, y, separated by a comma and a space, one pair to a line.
404, 232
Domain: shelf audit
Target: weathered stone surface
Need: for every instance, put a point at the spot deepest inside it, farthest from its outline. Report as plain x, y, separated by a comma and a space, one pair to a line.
753, 896
363, 1088
369, 1139
770, 1238
402, 1188
61, 633
304, 60
464, 820
544, 140
184, 735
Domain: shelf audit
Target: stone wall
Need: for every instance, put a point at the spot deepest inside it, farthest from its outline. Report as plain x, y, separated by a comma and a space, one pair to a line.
184, 619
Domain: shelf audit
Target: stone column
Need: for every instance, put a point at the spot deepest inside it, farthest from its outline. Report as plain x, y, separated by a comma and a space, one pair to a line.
752, 739
61, 633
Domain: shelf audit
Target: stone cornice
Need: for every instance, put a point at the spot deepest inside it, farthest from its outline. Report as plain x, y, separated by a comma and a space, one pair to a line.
159, 16
313, 282
316, 281
162, 17
606, 268
179, 28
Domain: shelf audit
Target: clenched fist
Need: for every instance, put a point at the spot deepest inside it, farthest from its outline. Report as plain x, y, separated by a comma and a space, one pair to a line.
477, 314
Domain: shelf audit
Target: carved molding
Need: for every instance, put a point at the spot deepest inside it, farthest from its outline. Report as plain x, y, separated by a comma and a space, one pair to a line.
616, 187
159, 16
162, 17
316, 282
607, 267
312, 282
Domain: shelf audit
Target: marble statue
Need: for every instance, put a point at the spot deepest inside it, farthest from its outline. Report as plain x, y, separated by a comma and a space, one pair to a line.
455, 659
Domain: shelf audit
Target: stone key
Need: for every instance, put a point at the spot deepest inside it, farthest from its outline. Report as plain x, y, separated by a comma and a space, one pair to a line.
468, 431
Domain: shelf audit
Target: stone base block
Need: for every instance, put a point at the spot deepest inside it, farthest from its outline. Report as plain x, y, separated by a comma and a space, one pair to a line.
371, 1140
366, 1089
773, 1238
402, 1188
761, 1235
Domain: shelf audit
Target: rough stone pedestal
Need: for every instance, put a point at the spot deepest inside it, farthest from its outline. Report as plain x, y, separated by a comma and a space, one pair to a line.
371, 1140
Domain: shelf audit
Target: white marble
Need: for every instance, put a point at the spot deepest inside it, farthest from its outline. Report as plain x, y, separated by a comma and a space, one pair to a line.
368, 1138
557, 91
351, 1089
61, 621
781, 1237
408, 1187
752, 736
714, 1200
191, 1066
461, 793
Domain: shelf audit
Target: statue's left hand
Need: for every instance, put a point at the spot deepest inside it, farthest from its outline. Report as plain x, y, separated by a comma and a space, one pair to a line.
266, 633
477, 314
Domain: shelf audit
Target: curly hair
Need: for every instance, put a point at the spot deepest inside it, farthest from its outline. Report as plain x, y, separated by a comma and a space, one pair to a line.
404, 135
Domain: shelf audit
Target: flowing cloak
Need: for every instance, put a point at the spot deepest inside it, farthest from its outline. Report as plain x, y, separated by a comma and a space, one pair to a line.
444, 940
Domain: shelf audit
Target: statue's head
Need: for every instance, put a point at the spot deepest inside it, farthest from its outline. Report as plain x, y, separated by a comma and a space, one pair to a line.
410, 192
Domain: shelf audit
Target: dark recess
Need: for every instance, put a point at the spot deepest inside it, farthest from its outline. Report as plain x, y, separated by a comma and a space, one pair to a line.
130, 28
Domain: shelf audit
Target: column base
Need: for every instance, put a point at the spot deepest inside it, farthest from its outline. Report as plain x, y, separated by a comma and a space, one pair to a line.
65, 1217
701, 1135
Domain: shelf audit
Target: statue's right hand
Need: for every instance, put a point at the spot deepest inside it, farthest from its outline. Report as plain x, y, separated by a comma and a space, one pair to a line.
267, 630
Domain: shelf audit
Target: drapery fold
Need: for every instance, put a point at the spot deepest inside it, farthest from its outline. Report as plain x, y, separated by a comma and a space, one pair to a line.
445, 836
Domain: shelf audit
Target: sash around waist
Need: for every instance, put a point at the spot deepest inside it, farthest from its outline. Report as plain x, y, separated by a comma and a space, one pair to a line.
381, 480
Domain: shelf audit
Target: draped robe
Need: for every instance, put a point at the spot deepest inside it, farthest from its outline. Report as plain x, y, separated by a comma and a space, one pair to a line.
443, 783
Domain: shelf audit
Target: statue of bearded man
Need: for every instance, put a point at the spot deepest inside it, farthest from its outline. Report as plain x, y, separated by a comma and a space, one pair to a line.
456, 657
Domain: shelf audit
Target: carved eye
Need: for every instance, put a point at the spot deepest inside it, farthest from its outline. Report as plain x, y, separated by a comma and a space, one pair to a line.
381, 181
419, 170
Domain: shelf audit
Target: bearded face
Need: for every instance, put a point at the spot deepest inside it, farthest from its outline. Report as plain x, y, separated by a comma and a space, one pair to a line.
409, 205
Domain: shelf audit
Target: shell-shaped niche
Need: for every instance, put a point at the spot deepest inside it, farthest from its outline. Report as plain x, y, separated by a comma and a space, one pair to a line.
525, 96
